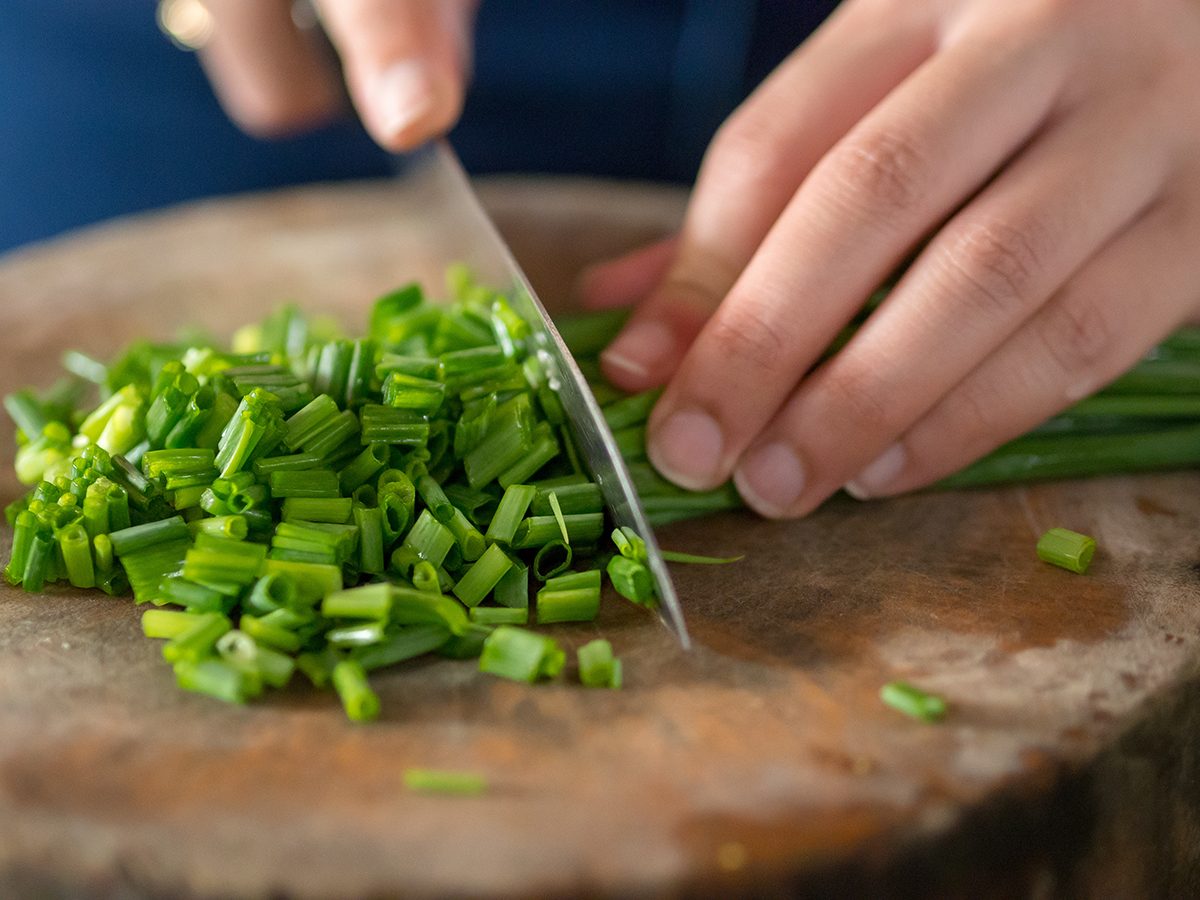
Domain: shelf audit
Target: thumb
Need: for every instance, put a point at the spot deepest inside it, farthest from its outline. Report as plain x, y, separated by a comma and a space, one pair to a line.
406, 63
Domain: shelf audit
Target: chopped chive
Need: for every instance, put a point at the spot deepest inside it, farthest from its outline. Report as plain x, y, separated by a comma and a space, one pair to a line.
140, 537
350, 681
545, 448
372, 601
571, 605
166, 623
598, 668
510, 512
913, 701
1066, 549
271, 592
369, 462
406, 643
469, 539
521, 655
430, 538
272, 635
213, 677
369, 521
631, 411
388, 425
234, 527
536, 531
358, 634
558, 517
572, 499
590, 578
483, 576
425, 577
310, 483
295, 462
76, 549
434, 498
498, 615
413, 607
242, 652
512, 590
198, 640
334, 510
631, 579
553, 558
441, 781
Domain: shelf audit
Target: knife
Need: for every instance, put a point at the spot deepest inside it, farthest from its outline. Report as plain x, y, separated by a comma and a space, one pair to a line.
454, 228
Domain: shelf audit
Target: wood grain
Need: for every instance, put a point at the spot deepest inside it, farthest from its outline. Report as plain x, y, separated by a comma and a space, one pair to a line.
762, 762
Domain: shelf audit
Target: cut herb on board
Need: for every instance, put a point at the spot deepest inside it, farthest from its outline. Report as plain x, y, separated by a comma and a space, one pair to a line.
311, 502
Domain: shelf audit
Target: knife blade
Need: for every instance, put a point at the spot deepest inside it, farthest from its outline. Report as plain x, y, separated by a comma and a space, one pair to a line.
455, 228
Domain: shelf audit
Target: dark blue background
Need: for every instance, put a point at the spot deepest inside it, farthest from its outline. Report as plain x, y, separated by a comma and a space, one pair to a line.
100, 115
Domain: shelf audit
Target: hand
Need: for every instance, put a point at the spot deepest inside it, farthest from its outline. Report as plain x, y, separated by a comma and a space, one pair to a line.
405, 63
1047, 150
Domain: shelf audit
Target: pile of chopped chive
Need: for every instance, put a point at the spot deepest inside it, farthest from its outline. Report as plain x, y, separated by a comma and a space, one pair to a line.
333, 505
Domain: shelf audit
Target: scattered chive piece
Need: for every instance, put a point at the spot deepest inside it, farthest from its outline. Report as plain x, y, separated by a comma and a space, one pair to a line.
598, 668
913, 701
569, 605
631, 579
350, 681
482, 577
510, 512
521, 655
1066, 549
441, 781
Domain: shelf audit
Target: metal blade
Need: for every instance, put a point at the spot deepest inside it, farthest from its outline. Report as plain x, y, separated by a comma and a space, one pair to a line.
455, 228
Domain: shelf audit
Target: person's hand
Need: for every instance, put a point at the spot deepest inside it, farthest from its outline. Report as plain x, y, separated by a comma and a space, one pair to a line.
1049, 150
405, 63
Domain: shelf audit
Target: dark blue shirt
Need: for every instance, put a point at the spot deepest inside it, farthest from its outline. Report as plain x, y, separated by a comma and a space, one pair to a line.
101, 115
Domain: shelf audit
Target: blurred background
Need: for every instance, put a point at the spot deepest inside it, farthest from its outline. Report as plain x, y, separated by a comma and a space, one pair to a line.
102, 114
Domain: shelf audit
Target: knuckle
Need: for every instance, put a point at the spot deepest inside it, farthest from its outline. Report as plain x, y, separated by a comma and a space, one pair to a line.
998, 263
857, 396
885, 172
749, 336
1079, 336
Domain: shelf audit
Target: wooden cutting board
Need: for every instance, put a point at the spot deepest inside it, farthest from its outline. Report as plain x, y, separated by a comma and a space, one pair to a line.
761, 762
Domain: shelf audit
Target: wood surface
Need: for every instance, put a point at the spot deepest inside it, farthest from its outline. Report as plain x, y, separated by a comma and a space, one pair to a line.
762, 762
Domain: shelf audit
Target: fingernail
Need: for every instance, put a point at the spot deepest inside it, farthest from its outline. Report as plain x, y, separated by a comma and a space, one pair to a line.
640, 348
770, 479
401, 96
875, 478
687, 448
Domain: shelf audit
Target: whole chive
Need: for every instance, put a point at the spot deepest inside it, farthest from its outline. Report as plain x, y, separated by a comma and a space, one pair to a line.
370, 461
665, 510
598, 668
469, 539
213, 677
696, 560
1066, 549
912, 701
166, 623
573, 499
521, 655
234, 527
536, 531
350, 681
198, 640
510, 512
631, 411
571, 605
440, 781
139, 537
631, 579
311, 483
372, 601
336, 510
76, 549
483, 576
553, 558
434, 498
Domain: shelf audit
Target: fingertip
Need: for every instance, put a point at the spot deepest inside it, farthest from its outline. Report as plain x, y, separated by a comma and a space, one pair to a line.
410, 102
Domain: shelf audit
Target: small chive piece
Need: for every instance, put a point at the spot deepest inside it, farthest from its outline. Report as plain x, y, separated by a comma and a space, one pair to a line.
1066, 549
913, 701
483, 576
498, 615
521, 655
631, 579
350, 681
598, 667
441, 781
569, 605
697, 560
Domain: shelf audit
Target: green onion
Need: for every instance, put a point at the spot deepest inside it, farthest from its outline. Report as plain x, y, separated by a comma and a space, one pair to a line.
310, 483
430, 539
912, 701
366, 465
334, 510
631, 580
470, 541
521, 655
76, 549
140, 537
166, 623
372, 601
198, 640
573, 605
213, 677
572, 499
537, 531
512, 590
1066, 549
483, 576
405, 643
598, 668
552, 559
510, 512
631, 411
498, 615
350, 681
